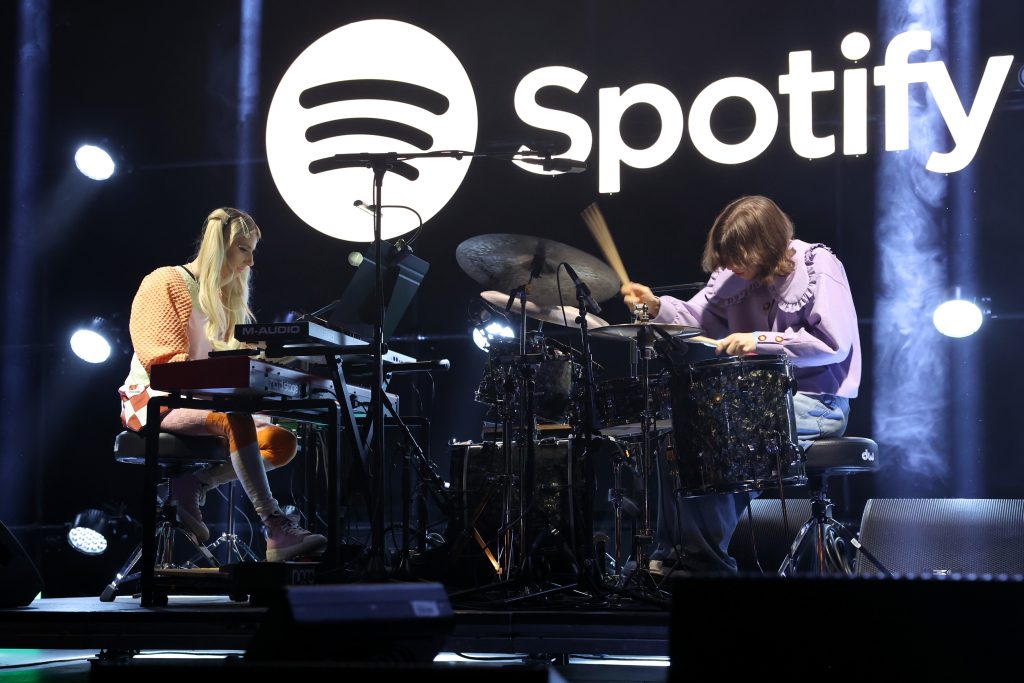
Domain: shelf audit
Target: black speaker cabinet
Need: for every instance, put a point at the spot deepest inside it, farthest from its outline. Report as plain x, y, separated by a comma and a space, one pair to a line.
385, 622
943, 536
20, 581
843, 628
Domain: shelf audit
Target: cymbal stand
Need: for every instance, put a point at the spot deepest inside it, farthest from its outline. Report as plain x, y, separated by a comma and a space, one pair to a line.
584, 580
585, 300
513, 551
617, 494
645, 349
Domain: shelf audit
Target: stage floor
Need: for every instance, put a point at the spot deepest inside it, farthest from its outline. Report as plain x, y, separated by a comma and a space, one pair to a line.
216, 623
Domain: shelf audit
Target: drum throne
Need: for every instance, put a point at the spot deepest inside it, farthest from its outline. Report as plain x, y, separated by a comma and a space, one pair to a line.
829, 458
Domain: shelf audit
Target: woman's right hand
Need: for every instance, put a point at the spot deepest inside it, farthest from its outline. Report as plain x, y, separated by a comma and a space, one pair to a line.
634, 293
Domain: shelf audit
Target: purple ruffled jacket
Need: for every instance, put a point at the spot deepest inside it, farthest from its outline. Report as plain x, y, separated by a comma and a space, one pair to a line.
808, 315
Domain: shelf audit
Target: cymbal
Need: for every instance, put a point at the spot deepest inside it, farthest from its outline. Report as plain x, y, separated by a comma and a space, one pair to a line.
503, 262
548, 314
631, 331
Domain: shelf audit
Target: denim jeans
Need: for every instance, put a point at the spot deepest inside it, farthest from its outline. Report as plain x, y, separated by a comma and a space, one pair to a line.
703, 526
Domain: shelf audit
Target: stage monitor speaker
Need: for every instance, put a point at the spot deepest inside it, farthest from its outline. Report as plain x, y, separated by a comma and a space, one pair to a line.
842, 628
940, 536
20, 581
771, 539
374, 622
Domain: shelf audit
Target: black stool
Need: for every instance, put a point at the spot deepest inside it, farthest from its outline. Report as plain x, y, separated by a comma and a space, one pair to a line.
177, 455
829, 458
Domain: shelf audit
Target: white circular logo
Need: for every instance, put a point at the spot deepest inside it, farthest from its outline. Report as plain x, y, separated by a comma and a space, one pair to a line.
372, 86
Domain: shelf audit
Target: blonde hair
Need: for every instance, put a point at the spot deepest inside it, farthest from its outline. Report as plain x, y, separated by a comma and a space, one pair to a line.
224, 300
752, 232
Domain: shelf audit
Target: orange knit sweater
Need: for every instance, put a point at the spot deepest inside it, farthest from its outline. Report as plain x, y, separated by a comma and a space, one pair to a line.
159, 330
159, 320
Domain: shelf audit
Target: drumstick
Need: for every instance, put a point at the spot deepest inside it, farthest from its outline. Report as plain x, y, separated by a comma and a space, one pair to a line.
599, 229
700, 339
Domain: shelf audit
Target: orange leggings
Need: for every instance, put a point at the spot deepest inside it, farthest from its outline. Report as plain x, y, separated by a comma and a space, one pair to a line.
277, 444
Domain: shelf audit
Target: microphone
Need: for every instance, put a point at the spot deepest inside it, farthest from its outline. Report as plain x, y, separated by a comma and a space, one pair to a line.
582, 289
368, 208
558, 164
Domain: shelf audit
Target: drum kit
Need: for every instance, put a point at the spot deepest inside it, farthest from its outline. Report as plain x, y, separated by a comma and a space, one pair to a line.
719, 425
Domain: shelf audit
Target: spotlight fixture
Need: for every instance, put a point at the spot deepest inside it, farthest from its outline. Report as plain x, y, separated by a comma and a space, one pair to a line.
482, 335
95, 341
959, 317
92, 343
88, 533
94, 162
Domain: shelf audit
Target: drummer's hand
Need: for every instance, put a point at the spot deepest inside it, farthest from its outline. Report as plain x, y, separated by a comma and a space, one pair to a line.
635, 293
737, 344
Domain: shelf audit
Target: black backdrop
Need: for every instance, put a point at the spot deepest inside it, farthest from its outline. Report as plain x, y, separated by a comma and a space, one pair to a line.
158, 83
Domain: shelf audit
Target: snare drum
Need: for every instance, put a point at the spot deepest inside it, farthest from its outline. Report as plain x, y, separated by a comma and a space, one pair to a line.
620, 403
735, 428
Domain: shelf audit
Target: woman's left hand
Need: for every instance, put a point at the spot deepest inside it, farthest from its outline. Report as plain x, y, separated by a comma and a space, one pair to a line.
737, 344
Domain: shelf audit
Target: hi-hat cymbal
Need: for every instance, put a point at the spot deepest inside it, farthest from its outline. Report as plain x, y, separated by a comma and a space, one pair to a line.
502, 262
631, 331
548, 314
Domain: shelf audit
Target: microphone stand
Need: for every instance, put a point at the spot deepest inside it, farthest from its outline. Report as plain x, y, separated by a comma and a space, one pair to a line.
378, 556
582, 295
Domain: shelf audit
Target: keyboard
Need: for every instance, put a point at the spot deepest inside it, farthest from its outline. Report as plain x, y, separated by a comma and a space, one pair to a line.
244, 376
282, 336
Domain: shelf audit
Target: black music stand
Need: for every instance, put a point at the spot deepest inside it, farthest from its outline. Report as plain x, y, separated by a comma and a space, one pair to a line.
403, 274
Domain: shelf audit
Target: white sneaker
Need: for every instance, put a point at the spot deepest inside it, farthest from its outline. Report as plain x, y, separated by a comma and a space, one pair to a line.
286, 539
189, 495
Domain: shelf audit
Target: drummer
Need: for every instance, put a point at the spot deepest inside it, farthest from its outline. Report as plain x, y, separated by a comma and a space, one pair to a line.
768, 293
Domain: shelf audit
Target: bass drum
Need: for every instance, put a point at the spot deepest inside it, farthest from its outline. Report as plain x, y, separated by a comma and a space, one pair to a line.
558, 520
734, 424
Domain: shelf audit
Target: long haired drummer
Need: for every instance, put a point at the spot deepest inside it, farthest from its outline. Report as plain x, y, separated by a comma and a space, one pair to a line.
768, 293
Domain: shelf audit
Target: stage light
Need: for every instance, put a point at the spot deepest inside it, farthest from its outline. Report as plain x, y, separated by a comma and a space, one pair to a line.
493, 330
88, 532
958, 317
94, 162
90, 344
94, 342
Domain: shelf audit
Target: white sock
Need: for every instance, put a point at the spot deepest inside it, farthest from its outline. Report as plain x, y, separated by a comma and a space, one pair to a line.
248, 465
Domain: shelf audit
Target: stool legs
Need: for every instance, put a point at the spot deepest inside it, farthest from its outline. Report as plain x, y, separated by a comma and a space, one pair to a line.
814, 532
167, 526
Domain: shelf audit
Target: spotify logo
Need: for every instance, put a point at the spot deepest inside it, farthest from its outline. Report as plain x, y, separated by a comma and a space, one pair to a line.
387, 86
345, 95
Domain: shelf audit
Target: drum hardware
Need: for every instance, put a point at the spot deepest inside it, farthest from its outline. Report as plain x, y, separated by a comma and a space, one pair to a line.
539, 381
469, 528
617, 497
556, 521
584, 434
641, 334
